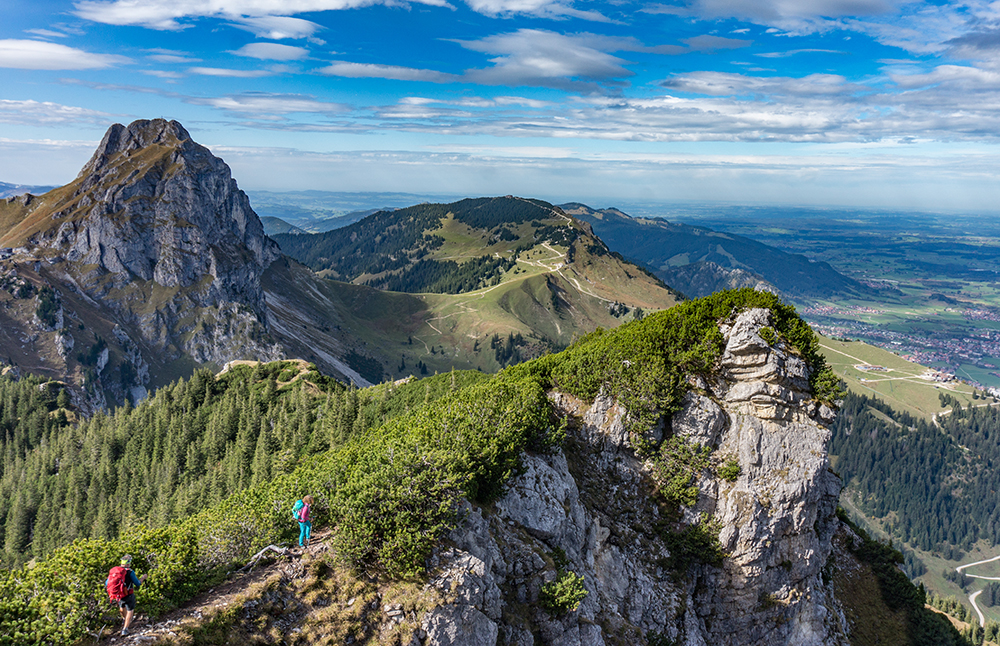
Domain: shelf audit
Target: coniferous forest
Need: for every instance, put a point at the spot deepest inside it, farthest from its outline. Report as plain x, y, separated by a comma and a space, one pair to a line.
938, 477
188, 447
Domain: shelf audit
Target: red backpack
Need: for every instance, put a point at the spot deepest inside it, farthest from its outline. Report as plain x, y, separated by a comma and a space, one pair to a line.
118, 583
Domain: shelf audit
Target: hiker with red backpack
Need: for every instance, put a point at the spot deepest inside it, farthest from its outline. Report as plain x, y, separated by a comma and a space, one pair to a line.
301, 513
121, 585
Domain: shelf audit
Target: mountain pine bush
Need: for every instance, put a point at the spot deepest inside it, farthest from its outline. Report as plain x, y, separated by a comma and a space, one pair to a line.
386, 468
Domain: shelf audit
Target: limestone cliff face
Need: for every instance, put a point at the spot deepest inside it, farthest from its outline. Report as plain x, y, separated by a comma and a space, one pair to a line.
160, 207
155, 229
594, 503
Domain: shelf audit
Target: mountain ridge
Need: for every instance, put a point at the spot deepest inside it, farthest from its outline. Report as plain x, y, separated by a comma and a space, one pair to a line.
152, 262
670, 248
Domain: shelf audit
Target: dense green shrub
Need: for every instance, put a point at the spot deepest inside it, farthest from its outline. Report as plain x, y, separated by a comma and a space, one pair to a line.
564, 594
48, 306
697, 543
677, 467
730, 470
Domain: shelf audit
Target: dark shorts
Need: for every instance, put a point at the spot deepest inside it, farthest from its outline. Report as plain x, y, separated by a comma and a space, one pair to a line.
127, 602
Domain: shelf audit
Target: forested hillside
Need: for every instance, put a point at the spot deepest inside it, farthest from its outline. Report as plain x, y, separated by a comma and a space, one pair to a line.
391, 488
184, 493
401, 250
188, 447
933, 483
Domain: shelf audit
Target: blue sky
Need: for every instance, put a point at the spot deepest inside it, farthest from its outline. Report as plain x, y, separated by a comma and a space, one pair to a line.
882, 103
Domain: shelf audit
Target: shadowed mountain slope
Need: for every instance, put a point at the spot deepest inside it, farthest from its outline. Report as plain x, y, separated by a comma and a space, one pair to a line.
670, 248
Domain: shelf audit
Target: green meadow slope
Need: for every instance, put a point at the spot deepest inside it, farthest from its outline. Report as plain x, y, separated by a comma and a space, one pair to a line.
508, 280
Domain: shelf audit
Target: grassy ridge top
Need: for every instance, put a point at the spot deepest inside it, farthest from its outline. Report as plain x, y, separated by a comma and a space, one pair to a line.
441, 248
392, 488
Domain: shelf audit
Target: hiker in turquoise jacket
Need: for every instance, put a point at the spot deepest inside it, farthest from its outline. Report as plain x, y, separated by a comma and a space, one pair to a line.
302, 514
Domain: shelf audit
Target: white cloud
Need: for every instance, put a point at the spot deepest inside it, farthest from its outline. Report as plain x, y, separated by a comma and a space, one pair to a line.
728, 84
167, 14
800, 16
272, 52
219, 71
44, 113
41, 55
278, 27
535, 57
952, 78
168, 56
392, 72
45, 33
539, 8
163, 74
261, 103
793, 52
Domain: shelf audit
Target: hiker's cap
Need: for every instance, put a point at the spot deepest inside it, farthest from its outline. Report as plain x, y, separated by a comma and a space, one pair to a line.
127, 559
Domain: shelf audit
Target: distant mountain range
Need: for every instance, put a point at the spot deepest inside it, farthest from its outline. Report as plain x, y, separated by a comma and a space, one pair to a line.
698, 261
695, 260
10, 190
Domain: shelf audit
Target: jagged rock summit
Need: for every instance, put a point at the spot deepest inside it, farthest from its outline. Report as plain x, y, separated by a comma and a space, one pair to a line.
156, 235
152, 204
590, 507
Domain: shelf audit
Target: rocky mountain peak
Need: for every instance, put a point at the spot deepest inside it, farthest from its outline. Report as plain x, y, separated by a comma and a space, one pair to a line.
156, 230
139, 134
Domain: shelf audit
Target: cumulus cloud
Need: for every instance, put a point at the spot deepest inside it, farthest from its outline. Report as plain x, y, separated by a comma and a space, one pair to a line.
956, 80
41, 55
168, 14
392, 72
272, 52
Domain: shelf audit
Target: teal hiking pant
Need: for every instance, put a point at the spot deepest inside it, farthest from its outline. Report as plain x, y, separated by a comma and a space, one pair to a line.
305, 529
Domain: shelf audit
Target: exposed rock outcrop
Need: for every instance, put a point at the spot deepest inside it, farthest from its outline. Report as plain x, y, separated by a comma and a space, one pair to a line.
156, 242
591, 509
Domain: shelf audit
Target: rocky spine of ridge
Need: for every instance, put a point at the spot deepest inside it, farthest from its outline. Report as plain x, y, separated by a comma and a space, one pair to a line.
592, 502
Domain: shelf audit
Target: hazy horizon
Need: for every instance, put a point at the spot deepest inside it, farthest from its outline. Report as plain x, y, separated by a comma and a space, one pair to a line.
886, 104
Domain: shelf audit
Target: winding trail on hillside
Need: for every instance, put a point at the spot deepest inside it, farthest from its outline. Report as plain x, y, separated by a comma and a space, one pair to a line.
972, 597
554, 264
976, 576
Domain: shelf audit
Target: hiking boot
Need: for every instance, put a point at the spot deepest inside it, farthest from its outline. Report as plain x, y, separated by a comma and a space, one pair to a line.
124, 632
